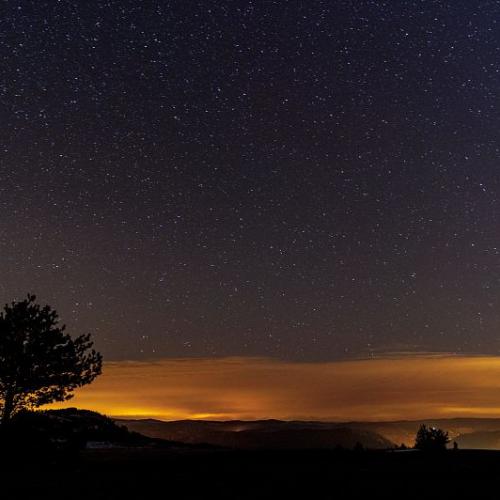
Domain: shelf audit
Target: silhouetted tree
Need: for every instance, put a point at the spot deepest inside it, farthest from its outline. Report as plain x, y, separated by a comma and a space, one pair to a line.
431, 439
39, 362
359, 447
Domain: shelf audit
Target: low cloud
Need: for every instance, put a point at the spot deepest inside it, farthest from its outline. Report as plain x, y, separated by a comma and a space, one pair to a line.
405, 387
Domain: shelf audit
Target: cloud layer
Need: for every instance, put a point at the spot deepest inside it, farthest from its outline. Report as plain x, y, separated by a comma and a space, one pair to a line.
254, 388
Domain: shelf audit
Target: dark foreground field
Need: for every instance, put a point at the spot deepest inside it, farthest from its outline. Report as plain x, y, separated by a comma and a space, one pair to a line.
192, 474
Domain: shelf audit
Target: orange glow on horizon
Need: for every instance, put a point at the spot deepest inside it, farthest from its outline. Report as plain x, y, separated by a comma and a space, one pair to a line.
395, 388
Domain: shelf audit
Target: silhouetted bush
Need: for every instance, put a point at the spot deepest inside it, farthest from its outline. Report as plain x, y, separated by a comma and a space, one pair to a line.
431, 439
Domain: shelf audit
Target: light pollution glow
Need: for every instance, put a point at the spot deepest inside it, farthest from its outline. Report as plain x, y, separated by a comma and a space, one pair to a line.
405, 387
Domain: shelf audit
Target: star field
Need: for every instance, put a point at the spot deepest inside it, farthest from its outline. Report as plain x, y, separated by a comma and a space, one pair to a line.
305, 180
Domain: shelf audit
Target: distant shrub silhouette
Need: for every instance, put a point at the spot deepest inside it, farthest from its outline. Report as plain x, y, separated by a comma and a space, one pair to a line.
431, 439
359, 447
39, 362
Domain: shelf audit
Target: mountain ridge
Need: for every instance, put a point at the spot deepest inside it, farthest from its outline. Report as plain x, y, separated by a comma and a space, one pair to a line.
369, 434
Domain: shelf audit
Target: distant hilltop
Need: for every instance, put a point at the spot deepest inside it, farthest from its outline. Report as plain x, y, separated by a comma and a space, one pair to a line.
472, 433
262, 434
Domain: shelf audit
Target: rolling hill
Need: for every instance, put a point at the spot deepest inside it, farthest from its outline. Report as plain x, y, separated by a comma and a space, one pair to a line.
270, 434
468, 432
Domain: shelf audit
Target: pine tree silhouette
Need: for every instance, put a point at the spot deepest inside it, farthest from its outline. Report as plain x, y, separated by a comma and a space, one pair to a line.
39, 362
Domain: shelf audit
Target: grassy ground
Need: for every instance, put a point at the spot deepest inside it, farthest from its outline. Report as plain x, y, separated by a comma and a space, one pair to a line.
163, 474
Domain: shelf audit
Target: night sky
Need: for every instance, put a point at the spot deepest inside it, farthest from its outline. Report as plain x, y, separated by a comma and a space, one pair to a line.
305, 180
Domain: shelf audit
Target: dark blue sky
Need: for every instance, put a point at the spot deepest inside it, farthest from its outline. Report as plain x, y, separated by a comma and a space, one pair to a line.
305, 180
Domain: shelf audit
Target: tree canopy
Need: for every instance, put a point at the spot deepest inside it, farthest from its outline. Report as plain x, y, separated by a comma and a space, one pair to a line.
39, 362
431, 439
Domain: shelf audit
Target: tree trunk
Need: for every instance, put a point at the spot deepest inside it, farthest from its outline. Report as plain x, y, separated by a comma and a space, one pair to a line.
8, 407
